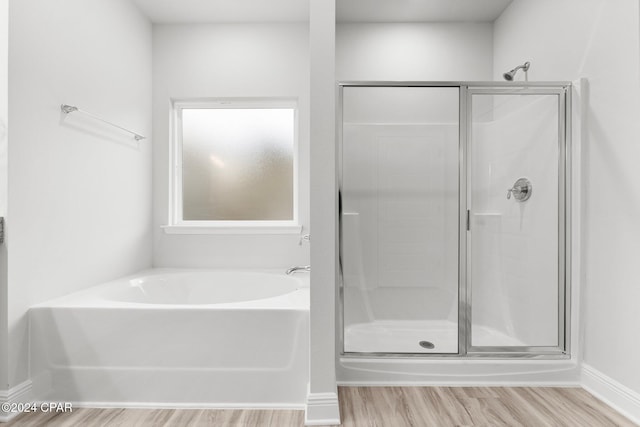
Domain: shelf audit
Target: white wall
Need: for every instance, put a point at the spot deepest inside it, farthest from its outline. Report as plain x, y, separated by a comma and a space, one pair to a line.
79, 205
599, 40
218, 61
422, 51
4, 101
4, 104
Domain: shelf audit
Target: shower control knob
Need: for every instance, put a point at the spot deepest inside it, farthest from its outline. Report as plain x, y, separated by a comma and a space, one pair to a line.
521, 190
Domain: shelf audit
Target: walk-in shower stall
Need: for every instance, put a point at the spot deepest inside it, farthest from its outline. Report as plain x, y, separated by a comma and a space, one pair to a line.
454, 219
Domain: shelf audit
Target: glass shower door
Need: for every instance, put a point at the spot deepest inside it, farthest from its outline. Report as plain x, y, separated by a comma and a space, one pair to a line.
516, 185
400, 219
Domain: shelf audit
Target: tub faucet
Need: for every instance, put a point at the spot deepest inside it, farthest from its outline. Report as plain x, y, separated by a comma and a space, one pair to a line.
298, 268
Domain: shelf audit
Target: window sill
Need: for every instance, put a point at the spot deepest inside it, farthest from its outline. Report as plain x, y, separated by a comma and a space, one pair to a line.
232, 229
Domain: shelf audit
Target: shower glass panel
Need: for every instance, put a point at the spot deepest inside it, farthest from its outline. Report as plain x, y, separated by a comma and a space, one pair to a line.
516, 218
400, 219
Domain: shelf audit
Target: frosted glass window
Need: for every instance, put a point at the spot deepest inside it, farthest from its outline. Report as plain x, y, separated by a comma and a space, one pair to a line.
237, 164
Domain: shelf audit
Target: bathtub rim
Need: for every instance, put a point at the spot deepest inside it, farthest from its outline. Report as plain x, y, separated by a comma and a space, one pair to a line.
90, 297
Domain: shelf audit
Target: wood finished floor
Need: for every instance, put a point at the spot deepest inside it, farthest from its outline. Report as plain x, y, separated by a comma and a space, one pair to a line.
379, 407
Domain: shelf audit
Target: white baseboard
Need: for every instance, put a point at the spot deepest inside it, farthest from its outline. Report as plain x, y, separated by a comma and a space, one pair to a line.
618, 396
187, 405
322, 409
18, 394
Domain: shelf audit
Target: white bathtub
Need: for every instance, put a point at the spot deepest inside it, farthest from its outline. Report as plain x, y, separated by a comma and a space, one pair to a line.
176, 338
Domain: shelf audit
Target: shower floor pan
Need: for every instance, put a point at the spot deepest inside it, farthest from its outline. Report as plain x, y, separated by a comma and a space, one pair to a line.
410, 336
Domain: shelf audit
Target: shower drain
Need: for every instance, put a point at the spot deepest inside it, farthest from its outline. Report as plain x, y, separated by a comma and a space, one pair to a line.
427, 344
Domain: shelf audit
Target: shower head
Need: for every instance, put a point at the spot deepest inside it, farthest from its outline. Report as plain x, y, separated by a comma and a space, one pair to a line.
511, 74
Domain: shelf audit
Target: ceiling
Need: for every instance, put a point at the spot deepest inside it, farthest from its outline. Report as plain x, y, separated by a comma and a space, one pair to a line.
228, 11
202, 11
420, 10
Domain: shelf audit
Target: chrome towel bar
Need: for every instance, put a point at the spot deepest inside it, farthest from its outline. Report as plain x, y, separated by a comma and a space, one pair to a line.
70, 109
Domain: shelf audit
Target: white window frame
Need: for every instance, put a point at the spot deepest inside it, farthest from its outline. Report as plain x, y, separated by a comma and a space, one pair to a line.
177, 225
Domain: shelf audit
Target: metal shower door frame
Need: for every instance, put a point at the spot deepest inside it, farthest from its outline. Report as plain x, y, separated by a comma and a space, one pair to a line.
563, 92
466, 90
